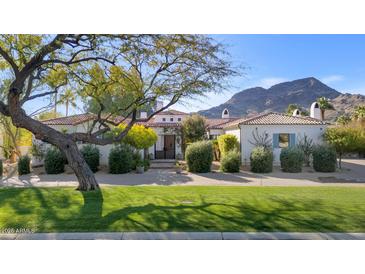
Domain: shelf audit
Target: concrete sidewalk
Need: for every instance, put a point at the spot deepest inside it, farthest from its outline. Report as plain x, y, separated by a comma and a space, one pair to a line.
184, 236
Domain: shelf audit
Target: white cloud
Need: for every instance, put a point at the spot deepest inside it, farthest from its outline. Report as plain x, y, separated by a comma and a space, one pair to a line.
332, 78
270, 81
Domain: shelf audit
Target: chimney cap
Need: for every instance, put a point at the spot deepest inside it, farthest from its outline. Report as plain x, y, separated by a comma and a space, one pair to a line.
225, 113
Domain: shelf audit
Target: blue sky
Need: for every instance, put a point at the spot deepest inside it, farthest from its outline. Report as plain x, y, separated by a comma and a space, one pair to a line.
337, 60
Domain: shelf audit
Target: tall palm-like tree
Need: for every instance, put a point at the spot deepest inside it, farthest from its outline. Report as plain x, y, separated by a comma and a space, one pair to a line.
68, 98
324, 105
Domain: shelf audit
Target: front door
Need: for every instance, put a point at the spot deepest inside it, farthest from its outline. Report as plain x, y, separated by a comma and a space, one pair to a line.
169, 146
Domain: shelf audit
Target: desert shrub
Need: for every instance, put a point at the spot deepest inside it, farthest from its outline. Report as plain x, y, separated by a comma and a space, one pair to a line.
291, 159
54, 161
199, 156
231, 162
324, 159
306, 145
24, 165
1, 168
91, 155
226, 143
121, 159
261, 160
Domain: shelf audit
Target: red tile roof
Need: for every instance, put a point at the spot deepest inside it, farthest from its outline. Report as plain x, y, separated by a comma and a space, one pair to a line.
72, 120
218, 123
274, 118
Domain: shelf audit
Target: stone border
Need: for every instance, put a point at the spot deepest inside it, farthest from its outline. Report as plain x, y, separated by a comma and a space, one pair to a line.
183, 236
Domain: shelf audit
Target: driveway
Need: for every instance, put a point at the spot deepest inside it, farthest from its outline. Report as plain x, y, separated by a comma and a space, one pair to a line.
353, 174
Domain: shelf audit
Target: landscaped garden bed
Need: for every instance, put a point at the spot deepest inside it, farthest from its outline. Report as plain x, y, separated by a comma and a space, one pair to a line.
303, 209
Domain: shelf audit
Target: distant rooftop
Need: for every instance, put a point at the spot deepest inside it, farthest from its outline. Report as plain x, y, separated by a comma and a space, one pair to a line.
172, 112
274, 118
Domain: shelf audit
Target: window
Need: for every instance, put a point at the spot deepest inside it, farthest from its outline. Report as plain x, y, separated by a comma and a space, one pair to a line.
283, 140
179, 119
171, 119
164, 119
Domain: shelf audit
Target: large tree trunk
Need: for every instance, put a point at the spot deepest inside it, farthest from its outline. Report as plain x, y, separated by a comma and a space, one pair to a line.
64, 142
84, 174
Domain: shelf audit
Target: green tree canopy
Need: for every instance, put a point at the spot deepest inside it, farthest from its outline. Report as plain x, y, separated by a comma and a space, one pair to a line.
138, 136
324, 105
194, 128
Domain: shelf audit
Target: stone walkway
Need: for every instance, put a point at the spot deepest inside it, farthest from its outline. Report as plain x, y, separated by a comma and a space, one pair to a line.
184, 236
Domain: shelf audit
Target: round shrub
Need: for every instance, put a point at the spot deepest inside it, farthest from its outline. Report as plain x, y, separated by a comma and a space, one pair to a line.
324, 159
291, 159
199, 156
24, 165
121, 159
1, 168
91, 155
226, 143
54, 161
261, 160
231, 162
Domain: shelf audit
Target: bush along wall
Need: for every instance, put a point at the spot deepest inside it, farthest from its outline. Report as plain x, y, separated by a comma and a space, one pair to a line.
91, 155
261, 160
231, 162
199, 156
291, 159
226, 143
324, 159
121, 159
24, 165
54, 161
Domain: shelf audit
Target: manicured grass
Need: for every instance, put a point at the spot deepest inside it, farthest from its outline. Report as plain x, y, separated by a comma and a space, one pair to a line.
183, 208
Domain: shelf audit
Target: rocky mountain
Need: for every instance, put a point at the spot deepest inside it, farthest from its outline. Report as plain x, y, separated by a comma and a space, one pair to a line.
277, 98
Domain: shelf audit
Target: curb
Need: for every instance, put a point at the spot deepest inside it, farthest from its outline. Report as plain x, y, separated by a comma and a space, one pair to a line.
183, 236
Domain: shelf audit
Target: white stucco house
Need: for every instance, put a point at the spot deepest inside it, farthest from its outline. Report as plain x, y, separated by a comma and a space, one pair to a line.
167, 125
284, 130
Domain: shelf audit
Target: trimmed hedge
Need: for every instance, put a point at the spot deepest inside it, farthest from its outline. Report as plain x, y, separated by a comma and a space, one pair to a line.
261, 160
1, 168
231, 162
121, 159
199, 156
91, 155
24, 165
54, 161
226, 143
291, 159
324, 159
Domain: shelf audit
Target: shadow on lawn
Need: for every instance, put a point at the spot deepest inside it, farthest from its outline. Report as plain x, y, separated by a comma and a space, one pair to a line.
284, 215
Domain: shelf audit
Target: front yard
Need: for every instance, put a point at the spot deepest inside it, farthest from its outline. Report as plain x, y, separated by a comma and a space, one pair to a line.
184, 208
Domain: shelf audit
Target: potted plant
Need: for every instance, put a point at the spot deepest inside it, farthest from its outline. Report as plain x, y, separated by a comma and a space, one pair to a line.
139, 164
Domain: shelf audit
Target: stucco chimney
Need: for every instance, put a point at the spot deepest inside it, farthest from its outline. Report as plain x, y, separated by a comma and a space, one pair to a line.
159, 105
225, 113
316, 111
143, 115
296, 112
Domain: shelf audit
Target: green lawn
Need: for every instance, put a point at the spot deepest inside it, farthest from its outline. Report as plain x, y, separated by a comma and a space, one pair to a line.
185, 208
